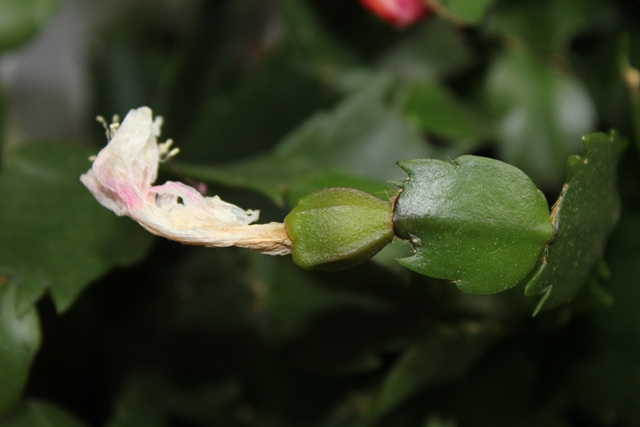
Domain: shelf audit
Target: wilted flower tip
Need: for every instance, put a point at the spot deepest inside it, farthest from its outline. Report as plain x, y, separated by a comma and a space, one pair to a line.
122, 176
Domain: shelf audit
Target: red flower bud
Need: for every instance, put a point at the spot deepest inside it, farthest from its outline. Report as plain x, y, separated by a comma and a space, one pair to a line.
399, 13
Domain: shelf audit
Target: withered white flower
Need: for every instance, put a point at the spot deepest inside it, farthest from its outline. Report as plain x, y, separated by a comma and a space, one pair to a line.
122, 176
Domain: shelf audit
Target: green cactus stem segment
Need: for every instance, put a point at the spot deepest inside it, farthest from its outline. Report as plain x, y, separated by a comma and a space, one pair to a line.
336, 228
478, 222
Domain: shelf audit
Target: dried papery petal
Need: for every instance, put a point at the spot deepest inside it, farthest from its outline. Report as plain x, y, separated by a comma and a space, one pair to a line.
121, 179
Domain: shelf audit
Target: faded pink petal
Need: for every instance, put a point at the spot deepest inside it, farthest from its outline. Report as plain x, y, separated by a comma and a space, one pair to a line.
121, 179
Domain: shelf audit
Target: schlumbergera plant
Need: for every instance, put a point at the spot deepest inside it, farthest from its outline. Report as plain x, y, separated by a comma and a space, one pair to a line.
478, 222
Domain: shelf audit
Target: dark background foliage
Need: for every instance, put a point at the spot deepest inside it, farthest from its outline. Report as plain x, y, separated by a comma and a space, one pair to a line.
102, 324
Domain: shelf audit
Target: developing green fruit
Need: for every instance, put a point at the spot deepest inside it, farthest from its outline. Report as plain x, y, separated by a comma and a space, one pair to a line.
337, 228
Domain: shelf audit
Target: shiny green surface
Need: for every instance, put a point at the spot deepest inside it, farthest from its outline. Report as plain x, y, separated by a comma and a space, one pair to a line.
337, 228
478, 222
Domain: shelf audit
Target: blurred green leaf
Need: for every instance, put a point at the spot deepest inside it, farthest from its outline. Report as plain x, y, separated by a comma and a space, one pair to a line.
322, 52
3, 125
55, 234
447, 354
607, 383
475, 221
584, 215
432, 108
139, 404
541, 114
435, 49
37, 413
208, 289
436, 421
470, 11
19, 341
599, 65
212, 404
501, 389
338, 324
634, 94
621, 323
21, 19
277, 95
544, 24
631, 80
359, 141
256, 71
295, 298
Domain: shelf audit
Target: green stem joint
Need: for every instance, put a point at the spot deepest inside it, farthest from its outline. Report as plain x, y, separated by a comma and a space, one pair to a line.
477, 222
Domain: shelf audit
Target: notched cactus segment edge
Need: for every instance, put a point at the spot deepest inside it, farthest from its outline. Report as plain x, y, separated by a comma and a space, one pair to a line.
477, 222
584, 215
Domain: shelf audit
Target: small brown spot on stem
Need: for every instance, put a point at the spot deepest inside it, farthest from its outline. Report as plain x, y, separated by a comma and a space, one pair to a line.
556, 206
